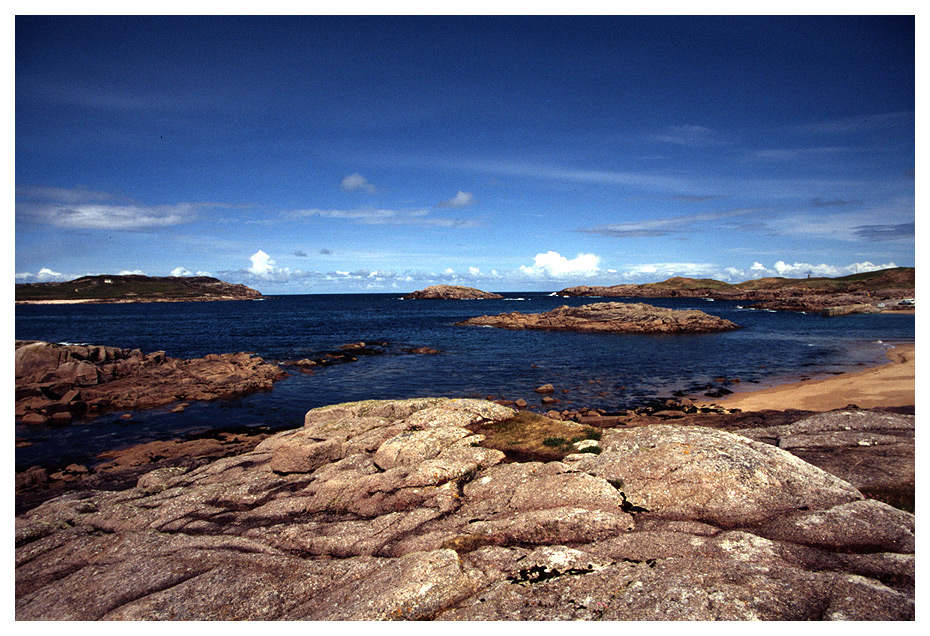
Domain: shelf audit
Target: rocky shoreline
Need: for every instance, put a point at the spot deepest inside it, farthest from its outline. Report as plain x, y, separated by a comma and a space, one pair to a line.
467, 509
609, 318
56, 384
406, 509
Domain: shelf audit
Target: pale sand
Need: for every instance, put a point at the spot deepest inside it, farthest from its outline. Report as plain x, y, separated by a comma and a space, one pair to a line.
53, 302
891, 384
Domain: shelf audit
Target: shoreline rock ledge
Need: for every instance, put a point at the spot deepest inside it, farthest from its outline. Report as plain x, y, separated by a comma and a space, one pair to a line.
394, 510
451, 292
57, 383
612, 317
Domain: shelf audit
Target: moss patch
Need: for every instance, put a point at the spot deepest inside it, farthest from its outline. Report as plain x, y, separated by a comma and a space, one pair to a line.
529, 436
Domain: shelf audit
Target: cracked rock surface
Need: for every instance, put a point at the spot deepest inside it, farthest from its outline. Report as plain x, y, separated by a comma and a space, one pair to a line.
393, 510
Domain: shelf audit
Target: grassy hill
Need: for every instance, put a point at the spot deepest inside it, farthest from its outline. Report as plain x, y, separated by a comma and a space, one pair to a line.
135, 288
895, 278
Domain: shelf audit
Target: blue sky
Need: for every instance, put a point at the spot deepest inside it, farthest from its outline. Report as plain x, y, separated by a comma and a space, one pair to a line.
352, 154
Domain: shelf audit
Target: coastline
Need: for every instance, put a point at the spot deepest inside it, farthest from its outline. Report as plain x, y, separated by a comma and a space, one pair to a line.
888, 385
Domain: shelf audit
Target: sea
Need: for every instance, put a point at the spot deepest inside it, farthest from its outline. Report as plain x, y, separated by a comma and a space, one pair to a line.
608, 371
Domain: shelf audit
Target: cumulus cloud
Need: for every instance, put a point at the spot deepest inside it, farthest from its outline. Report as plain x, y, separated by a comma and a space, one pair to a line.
554, 265
801, 270
48, 274
460, 200
183, 271
262, 264
45, 275
355, 181
660, 271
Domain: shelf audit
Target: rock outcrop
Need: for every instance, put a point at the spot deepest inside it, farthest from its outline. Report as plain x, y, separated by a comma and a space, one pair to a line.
451, 292
872, 450
609, 317
394, 510
57, 383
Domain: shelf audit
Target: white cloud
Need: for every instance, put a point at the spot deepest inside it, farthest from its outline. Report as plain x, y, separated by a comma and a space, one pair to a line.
355, 181
801, 270
554, 265
734, 274
134, 272
91, 216
264, 266
460, 200
183, 271
661, 271
47, 274
474, 271
82, 209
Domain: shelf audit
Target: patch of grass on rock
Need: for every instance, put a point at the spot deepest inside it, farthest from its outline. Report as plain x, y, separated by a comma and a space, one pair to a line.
529, 436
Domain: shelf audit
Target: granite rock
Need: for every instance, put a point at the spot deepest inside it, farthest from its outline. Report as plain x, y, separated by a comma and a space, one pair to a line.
393, 510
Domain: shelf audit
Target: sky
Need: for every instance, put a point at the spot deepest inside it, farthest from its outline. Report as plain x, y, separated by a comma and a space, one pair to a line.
322, 154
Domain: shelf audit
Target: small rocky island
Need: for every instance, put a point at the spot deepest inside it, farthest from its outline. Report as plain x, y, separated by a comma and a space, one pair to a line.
133, 289
613, 317
451, 292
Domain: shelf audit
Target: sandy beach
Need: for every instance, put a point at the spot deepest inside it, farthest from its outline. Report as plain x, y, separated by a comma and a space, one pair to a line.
891, 384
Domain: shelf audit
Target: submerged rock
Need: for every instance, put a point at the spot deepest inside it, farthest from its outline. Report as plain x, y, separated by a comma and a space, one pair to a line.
609, 317
394, 510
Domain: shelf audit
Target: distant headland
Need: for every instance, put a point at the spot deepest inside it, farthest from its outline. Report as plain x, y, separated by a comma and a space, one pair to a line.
133, 288
887, 289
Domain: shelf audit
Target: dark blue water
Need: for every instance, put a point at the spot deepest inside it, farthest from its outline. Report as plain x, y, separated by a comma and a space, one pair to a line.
609, 371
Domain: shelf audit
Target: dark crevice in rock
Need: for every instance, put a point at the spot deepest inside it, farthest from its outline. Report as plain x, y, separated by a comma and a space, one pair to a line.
538, 574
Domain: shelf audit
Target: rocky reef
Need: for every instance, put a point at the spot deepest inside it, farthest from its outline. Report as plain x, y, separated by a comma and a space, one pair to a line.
451, 292
609, 317
399, 510
57, 383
